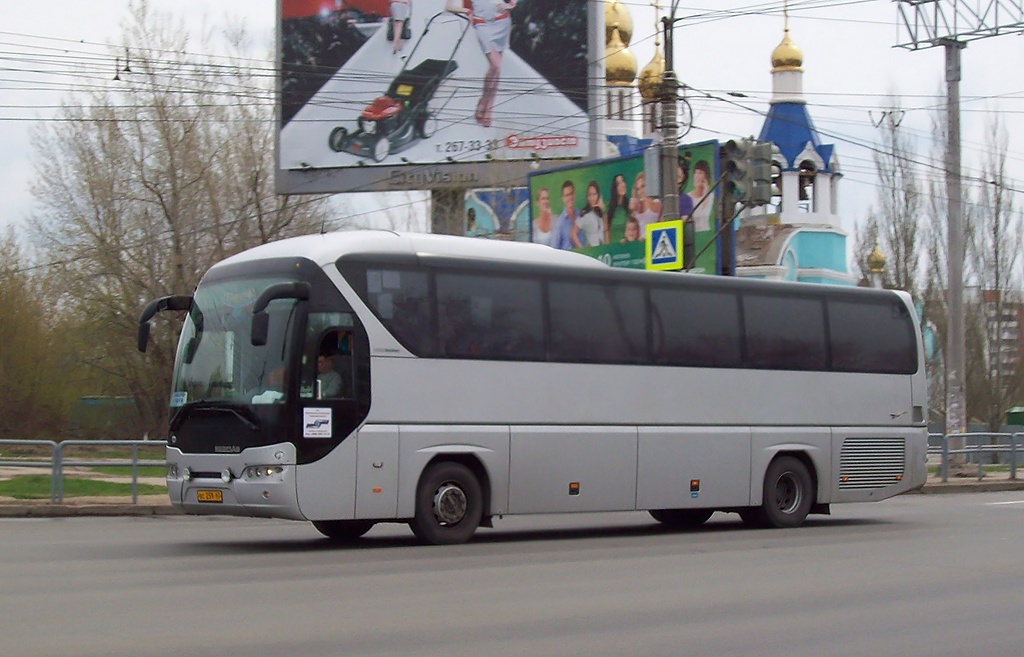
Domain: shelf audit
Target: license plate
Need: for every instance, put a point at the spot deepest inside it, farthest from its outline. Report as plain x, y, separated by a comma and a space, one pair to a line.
214, 496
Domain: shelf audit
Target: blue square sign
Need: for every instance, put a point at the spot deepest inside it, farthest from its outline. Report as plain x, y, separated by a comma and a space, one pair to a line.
664, 247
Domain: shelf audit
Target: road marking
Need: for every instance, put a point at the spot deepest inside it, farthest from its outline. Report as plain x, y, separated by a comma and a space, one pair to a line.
1005, 503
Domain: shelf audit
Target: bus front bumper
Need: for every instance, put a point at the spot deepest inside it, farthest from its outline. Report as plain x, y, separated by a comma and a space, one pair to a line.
258, 482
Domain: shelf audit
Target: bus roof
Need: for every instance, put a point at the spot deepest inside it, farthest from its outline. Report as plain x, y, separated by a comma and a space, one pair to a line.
328, 247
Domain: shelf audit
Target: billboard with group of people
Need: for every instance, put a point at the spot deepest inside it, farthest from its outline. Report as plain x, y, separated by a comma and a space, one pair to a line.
603, 209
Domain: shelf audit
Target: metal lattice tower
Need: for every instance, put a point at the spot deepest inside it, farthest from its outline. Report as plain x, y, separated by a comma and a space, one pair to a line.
933, 22
952, 24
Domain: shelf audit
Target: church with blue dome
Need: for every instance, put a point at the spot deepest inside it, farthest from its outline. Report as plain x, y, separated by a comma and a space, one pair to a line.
797, 237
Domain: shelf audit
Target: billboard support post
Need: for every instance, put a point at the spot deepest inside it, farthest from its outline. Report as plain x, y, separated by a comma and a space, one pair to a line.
446, 216
595, 49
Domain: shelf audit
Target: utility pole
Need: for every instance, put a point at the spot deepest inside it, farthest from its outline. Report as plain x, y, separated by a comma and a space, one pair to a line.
951, 24
669, 128
956, 360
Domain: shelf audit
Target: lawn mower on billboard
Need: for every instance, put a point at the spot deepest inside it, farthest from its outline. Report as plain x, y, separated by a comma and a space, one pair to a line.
402, 116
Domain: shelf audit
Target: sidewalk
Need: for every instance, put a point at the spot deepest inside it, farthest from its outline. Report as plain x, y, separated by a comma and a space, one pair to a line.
993, 481
159, 505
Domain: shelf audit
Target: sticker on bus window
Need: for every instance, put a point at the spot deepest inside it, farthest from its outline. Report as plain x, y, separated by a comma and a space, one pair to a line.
178, 398
316, 423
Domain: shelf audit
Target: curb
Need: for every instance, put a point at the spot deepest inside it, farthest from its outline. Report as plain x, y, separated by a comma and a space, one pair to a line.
90, 510
150, 510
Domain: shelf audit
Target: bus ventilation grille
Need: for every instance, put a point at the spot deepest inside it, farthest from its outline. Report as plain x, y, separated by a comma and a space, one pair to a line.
871, 463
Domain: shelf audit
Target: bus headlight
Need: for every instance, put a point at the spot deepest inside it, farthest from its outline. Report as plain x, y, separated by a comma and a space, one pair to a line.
262, 471
172, 470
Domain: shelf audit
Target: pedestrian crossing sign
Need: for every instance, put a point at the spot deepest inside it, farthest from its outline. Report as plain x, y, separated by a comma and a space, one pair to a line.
664, 245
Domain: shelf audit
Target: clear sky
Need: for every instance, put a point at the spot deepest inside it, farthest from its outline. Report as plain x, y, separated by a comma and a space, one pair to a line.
722, 52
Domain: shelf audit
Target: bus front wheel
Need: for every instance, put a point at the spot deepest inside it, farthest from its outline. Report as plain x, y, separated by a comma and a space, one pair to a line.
449, 504
343, 530
788, 495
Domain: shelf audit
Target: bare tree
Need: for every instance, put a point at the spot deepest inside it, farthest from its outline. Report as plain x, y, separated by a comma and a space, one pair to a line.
144, 183
936, 311
994, 378
895, 223
36, 382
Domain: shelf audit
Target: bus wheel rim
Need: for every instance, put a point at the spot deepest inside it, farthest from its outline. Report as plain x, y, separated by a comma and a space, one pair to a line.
450, 504
788, 495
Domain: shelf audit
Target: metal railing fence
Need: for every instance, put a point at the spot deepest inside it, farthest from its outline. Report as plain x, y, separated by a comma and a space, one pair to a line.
60, 458
1001, 446
1008, 447
32, 461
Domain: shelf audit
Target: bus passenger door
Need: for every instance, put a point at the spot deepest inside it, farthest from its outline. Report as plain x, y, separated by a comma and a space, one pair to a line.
334, 400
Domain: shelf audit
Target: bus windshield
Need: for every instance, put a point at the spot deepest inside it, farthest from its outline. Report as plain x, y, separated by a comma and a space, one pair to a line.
216, 361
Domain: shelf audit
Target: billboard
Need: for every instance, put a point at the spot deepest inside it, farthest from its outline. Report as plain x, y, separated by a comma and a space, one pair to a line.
602, 208
502, 214
414, 94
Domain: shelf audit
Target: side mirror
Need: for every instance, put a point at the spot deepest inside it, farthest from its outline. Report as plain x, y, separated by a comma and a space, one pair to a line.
179, 302
260, 318
143, 339
260, 329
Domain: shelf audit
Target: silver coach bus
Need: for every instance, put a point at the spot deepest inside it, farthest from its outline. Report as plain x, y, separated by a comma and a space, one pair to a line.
362, 377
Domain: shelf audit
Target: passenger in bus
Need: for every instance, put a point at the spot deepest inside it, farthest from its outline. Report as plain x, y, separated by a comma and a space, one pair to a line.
328, 381
270, 389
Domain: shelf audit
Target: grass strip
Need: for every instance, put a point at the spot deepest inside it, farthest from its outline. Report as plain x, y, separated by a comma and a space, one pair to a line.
37, 487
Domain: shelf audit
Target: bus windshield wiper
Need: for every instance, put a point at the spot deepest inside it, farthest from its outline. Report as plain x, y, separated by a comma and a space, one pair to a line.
251, 422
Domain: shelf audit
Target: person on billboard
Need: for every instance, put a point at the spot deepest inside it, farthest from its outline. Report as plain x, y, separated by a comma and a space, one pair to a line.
682, 175
618, 211
399, 15
632, 230
566, 232
701, 184
542, 223
643, 208
492, 23
591, 221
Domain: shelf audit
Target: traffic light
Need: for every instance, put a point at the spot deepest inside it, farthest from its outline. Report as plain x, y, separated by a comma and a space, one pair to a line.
735, 163
760, 173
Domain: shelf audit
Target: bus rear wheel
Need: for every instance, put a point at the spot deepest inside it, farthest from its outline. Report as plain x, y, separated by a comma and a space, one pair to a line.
449, 504
343, 530
788, 495
681, 518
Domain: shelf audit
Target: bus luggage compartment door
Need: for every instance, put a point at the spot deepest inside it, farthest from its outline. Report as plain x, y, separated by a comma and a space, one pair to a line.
557, 469
377, 472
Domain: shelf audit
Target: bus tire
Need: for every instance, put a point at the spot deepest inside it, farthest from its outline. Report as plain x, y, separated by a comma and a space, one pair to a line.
681, 518
343, 531
449, 504
788, 493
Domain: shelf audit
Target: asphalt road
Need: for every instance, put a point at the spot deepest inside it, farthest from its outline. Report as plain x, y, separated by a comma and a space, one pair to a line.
916, 575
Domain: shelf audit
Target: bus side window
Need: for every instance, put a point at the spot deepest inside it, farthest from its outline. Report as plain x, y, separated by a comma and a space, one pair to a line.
327, 365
